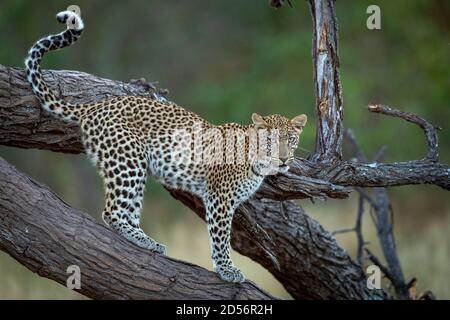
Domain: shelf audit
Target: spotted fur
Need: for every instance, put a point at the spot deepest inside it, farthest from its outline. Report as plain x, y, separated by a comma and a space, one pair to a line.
129, 138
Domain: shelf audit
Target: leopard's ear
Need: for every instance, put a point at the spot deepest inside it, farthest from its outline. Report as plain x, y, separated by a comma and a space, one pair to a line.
299, 122
259, 122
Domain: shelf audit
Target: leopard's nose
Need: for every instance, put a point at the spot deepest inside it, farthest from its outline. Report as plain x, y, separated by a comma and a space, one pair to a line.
284, 160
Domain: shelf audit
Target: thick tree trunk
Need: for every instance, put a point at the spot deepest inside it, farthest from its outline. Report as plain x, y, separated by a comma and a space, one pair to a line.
47, 236
329, 104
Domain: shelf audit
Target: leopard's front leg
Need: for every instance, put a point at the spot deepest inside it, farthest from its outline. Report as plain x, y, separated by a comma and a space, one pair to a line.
219, 217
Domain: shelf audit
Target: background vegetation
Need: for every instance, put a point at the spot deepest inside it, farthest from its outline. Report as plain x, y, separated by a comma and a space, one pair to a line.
227, 59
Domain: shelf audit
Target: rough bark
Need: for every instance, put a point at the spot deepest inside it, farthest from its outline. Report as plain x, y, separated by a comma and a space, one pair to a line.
46, 235
327, 85
269, 229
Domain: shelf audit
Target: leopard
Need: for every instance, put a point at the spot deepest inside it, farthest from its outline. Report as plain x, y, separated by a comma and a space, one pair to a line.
131, 138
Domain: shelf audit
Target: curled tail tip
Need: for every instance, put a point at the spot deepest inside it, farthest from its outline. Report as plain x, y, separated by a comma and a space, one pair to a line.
72, 19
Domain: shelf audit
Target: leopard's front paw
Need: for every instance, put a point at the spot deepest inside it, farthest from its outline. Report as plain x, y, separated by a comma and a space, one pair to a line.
230, 274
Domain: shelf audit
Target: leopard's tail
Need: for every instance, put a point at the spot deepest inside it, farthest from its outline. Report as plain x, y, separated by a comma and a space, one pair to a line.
50, 102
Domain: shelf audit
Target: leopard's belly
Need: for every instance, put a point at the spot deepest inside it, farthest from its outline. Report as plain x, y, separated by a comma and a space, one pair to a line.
177, 174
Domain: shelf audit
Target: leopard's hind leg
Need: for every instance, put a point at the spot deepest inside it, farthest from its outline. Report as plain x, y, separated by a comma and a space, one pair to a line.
124, 170
122, 212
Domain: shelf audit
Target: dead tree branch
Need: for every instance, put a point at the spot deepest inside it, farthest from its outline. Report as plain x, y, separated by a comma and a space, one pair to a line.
428, 128
46, 235
381, 215
385, 233
329, 104
360, 243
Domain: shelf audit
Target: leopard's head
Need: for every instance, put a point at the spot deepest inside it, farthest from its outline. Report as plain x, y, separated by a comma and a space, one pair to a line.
283, 136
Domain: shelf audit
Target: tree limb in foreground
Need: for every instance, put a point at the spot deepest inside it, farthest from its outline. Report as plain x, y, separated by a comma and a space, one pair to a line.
46, 235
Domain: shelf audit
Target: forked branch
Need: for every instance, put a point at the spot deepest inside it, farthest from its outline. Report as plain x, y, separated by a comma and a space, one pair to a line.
429, 130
